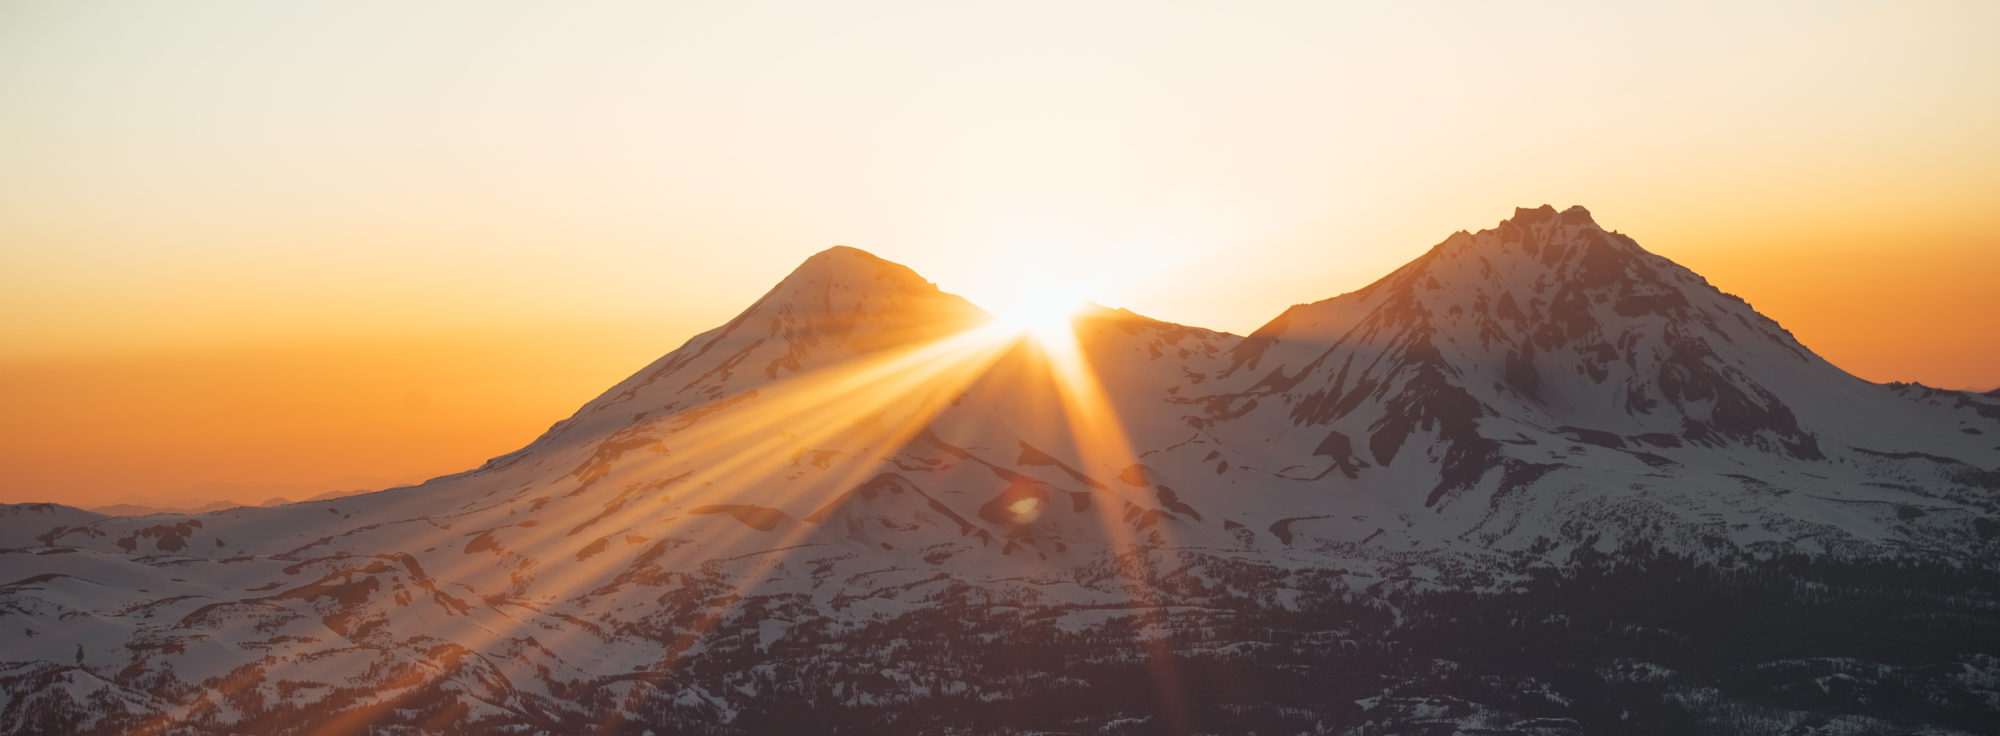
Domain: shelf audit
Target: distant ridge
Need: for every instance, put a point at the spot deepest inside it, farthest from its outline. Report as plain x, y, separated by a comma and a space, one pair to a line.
137, 509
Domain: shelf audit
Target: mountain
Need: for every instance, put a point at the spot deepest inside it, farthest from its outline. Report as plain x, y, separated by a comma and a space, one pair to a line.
1623, 388
864, 499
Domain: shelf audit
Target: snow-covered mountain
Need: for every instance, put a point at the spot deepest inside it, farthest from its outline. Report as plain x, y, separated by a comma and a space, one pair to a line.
859, 448
1547, 379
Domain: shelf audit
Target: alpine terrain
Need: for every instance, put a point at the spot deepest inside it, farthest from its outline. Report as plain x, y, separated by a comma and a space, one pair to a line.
1537, 481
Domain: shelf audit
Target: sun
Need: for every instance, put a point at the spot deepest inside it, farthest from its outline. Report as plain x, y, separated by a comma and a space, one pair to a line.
1043, 309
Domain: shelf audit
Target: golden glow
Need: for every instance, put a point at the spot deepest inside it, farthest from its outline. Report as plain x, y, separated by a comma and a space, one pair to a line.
296, 418
1042, 308
240, 252
189, 184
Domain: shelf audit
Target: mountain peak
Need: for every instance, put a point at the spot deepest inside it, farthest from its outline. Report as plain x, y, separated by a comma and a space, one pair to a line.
1544, 238
838, 304
848, 296
1545, 318
840, 253
1550, 262
1525, 215
856, 269
1575, 215
1546, 223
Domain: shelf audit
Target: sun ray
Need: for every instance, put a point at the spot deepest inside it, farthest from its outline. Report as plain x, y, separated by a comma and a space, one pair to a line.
889, 398
958, 367
1102, 442
809, 408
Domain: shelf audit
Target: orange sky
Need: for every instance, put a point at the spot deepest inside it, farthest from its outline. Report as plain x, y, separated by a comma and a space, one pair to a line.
276, 245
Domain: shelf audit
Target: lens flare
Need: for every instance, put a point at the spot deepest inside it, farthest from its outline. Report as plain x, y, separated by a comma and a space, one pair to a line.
1025, 510
1042, 309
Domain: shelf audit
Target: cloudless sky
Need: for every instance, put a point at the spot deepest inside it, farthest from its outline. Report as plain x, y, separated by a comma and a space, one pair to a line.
292, 243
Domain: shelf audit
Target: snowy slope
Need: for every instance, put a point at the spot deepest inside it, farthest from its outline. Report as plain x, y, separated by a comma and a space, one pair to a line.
857, 444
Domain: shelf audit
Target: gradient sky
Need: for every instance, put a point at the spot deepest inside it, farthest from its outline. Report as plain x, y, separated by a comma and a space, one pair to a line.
279, 243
